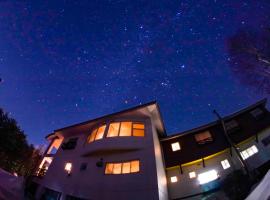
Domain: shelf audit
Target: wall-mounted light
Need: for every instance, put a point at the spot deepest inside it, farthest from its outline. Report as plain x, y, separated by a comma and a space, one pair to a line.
68, 167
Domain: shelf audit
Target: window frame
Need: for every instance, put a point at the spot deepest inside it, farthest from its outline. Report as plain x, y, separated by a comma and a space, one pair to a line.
232, 128
97, 127
203, 142
175, 143
122, 162
254, 113
249, 152
119, 129
225, 164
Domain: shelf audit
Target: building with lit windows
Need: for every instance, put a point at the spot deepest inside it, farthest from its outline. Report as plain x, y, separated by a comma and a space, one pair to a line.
128, 155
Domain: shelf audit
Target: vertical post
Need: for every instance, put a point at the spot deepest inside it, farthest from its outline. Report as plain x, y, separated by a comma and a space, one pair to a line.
181, 169
203, 163
238, 155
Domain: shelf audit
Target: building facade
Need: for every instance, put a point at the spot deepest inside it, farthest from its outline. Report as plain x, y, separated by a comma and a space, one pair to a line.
128, 155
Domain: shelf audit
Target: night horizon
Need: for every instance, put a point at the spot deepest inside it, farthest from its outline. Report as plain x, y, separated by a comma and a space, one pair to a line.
65, 63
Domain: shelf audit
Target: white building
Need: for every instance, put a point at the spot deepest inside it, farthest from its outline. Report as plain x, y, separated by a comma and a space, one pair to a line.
128, 155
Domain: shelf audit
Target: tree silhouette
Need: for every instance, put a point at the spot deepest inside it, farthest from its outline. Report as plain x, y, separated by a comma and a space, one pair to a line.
249, 53
16, 155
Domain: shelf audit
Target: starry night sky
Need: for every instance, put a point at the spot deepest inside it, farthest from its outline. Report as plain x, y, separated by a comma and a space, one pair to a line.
65, 62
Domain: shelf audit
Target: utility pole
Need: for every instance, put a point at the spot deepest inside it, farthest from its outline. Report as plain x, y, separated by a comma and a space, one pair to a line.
243, 163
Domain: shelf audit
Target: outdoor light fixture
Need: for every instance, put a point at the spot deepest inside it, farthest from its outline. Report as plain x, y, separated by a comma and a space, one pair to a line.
208, 176
68, 167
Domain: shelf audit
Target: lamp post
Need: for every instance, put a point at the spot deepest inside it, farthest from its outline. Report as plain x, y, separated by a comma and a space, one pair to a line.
242, 162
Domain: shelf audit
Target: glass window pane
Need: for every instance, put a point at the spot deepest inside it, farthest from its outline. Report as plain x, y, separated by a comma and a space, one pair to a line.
92, 136
135, 166
100, 132
117, 168
254, 149
109, 168
113, 130
126, 168
175, 146
138, 126
138, 132
125, 129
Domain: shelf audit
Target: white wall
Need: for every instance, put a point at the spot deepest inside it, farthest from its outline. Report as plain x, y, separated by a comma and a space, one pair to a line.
93, 183
160, 167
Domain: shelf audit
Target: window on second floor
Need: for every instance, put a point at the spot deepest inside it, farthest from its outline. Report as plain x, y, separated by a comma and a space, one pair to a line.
70, 144
257, 113
123, 167
204, 137
126, 129
232, 126
97, 134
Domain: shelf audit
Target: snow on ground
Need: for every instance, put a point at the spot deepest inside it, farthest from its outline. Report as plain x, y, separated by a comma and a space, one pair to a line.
262, 191
11, 187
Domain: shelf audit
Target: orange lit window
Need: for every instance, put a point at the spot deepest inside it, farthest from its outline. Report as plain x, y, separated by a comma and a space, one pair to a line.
109, 168
204, 137
100, 132
92, 136
117, 168
123, 168
113, 130
97, 134
125, 129
126, 168
135, 166
138, 129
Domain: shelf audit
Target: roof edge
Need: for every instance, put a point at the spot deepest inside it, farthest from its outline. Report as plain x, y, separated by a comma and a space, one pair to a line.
205, 126
108, 115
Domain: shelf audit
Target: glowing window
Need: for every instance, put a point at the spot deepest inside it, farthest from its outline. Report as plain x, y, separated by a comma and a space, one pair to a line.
207, 177
176, 146
109, 168
100, 132
113, 130
97, 134
249, 152
92, 136
117, 168
174, 179
125, 129
68, 167
204, 137
126, 168
138, 129
123, 168
192, 174
225, 164
135, 166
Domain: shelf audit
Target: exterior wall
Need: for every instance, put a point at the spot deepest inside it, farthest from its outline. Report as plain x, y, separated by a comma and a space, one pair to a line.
93, 183
187, 186
160, 167
263, 155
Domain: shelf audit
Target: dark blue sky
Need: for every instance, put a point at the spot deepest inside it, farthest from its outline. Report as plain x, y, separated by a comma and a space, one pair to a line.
65, 62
